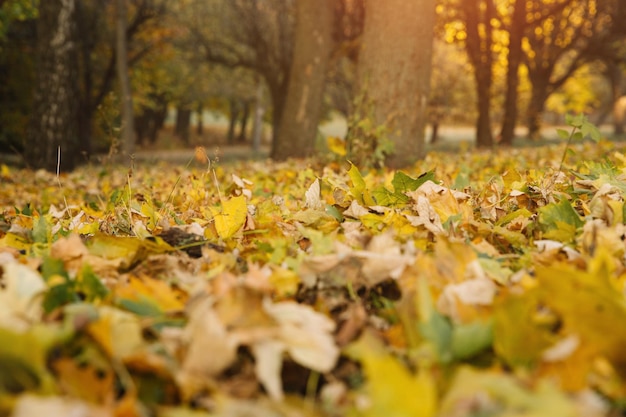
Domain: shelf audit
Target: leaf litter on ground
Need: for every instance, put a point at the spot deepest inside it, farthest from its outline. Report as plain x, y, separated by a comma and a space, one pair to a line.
482, 283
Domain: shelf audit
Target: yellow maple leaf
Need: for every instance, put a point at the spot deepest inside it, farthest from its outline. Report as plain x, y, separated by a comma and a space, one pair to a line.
231, 217
393, 389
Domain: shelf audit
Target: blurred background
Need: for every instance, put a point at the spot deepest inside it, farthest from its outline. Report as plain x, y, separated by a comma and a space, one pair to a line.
184, 73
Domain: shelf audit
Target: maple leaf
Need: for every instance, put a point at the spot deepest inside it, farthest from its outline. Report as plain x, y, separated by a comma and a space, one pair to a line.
392, 389
230, 217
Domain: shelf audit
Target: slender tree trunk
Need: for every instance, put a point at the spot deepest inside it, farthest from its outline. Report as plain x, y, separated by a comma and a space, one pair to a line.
232, 122
85, 112
478, 14
158, 118
615, 78
245, 115
516, 34
394, 71
257, 126
54, 122
298, 124
183, 122
142, 126
434, 134
126, 96
200, 126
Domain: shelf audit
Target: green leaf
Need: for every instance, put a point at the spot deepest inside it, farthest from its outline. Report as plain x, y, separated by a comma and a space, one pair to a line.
143, 308
91, 285
438, 331
471, 338
462, 179
563, 134
403, 183
560, 220
40, 231
333, 211
52, 267
60, 295
384, 197
589, 129
575, 121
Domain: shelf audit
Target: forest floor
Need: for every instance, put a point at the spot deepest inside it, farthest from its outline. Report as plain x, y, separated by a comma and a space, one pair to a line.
471, 283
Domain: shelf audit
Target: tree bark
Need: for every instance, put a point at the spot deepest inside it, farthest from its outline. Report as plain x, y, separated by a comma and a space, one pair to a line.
126, 97
245, 115
478, 14
259, 112
514, 58
394, 72
200, 126
235, 109
303, 105
540, 93
183, 122
615, 76
54, 121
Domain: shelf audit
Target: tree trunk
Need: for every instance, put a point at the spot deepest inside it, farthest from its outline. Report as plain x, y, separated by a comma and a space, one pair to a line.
514, 57
245, 115
158, 118
540, 93
484, 135
200, 126
126, 97
232, 122
257, 126
183, 122
614, 73
434, 134
142, 126
303, 105
54, 121
394, 72
478, 14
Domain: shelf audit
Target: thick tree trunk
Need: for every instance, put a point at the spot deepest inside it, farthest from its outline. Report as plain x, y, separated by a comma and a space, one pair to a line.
394, 72
126, 96
484, 135
298, 123
516, 34
540, 93
54, 121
